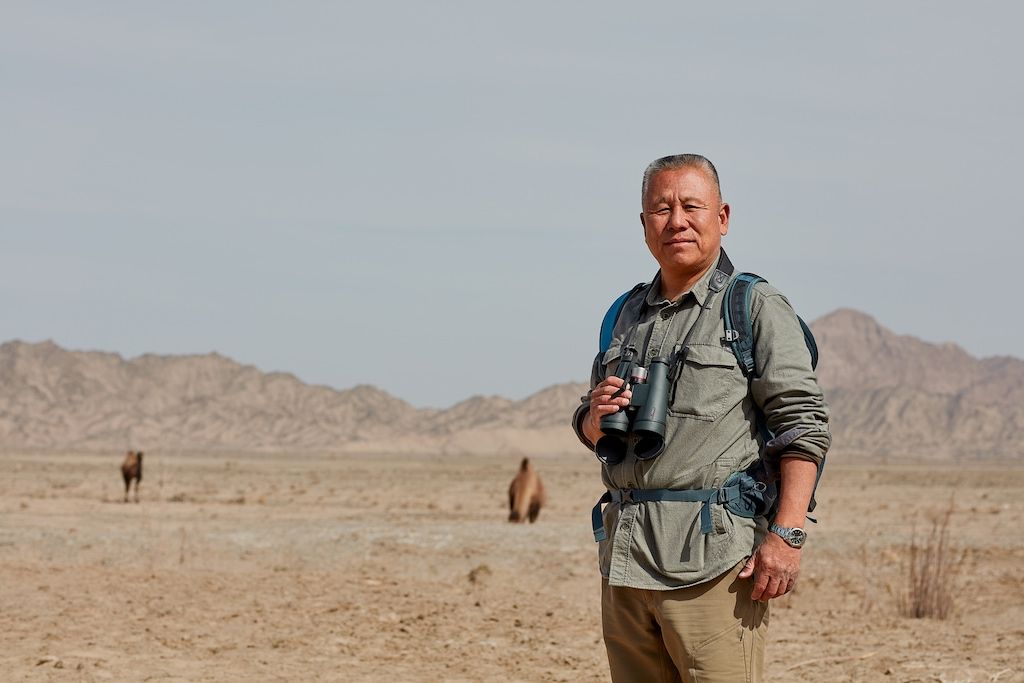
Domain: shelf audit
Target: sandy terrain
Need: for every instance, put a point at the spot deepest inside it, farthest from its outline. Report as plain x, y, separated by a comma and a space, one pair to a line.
360, 568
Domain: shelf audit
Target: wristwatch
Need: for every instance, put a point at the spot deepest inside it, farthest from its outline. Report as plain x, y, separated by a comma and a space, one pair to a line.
794, 536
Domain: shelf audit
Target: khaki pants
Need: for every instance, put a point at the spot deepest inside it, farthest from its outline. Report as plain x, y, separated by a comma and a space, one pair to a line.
711, 633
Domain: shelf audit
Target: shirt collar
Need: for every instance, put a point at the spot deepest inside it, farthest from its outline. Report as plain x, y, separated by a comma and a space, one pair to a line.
699, 291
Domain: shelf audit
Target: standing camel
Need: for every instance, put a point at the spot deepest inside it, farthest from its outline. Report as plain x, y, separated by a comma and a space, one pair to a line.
131, 468
525, 495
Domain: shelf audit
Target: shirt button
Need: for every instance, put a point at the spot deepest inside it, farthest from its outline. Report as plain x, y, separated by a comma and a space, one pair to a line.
631, 485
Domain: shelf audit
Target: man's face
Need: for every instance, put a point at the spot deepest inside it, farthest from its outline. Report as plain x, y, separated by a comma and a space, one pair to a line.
684, 220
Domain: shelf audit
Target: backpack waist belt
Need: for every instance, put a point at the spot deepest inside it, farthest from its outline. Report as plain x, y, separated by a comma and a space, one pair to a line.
731, 495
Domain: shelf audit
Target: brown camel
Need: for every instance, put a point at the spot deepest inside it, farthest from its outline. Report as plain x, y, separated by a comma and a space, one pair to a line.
525, 495
131, 468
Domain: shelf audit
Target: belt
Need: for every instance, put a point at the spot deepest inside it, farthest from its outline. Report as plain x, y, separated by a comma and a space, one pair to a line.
720, 496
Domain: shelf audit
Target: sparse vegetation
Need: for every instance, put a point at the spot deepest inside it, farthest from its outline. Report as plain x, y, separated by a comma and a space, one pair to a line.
479, 573
335, 583
932, 569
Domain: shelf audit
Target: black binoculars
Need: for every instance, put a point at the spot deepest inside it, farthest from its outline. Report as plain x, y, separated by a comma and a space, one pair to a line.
642, 422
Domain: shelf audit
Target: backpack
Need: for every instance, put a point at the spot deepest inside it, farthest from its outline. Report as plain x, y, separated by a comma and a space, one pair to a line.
739, 334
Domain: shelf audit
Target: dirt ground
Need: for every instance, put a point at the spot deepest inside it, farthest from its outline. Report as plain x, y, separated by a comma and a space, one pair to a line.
384, 568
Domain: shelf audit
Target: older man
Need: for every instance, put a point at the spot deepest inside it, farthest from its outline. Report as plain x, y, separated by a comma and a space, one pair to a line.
686, 581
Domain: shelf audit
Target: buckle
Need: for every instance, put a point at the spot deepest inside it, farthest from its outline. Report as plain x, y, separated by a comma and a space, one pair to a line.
726, 494
626, 497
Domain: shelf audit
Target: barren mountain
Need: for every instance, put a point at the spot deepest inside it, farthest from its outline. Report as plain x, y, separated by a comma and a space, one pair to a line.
891, 395
897, 395
50, 397
54, 398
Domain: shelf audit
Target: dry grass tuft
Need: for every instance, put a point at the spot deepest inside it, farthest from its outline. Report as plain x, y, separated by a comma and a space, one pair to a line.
479, 573
932, 568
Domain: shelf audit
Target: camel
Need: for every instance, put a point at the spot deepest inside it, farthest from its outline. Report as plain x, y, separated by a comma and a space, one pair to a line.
525, 495
131, 468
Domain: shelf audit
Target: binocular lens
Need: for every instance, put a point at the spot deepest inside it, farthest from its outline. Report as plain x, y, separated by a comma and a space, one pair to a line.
610, 449
649, 446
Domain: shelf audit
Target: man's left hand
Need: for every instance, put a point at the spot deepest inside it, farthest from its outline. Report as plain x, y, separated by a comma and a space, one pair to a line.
774, 566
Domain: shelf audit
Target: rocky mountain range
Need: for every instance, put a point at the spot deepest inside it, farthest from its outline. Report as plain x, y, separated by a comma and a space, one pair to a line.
891, 395
897, 395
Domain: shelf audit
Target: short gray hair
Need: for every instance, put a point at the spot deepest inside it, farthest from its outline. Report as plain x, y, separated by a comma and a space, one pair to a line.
679, 161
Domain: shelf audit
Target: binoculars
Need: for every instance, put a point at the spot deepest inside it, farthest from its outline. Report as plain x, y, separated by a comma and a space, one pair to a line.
642, 422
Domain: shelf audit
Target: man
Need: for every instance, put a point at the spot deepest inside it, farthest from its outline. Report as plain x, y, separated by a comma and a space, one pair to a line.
686, 582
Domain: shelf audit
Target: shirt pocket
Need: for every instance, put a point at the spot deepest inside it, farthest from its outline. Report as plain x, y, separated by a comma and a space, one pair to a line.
610, 360
710, 382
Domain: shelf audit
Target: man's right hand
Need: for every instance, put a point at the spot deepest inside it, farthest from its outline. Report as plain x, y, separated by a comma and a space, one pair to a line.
602, 403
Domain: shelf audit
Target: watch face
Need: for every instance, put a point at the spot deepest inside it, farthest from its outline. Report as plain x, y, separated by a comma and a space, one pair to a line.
794, 537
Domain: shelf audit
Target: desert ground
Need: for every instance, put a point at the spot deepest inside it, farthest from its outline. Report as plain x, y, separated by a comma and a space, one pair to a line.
299, 567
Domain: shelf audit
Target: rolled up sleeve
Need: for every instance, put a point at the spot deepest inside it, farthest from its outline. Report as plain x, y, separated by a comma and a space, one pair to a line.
785, 387
583, 409
577, 422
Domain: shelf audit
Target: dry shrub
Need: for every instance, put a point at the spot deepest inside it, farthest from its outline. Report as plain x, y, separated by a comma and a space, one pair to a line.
932, 569
181, 548
479, 573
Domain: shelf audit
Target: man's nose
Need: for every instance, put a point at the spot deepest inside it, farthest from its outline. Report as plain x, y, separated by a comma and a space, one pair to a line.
677, 219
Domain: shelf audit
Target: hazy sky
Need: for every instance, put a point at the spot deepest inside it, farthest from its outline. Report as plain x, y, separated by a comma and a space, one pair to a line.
441, 198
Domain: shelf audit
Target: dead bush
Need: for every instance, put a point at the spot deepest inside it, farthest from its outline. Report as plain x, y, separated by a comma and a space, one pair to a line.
479, 573
932, 569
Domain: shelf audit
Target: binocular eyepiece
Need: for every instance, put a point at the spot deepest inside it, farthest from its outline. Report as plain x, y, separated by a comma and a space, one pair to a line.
642, 422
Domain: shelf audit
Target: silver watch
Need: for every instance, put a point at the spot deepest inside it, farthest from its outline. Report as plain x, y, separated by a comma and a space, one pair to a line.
794, 536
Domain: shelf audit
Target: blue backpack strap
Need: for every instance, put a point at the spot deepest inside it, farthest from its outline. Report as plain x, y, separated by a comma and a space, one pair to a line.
739, 329
739, 334
612, 316
812, 345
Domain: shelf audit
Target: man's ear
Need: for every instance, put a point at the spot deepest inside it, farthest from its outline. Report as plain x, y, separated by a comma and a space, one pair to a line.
723, 218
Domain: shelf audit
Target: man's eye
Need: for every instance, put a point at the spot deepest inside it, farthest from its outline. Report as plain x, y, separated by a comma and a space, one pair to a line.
662, 212
693, 207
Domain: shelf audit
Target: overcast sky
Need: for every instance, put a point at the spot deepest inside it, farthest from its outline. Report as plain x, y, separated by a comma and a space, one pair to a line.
441, 198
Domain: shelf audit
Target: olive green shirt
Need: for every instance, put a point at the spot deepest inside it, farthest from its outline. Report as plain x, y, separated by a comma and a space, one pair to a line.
711, 432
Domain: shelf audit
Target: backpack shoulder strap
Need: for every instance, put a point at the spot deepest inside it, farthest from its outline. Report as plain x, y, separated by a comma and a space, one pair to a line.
812, 345
739, 328
739, 333
612, 316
